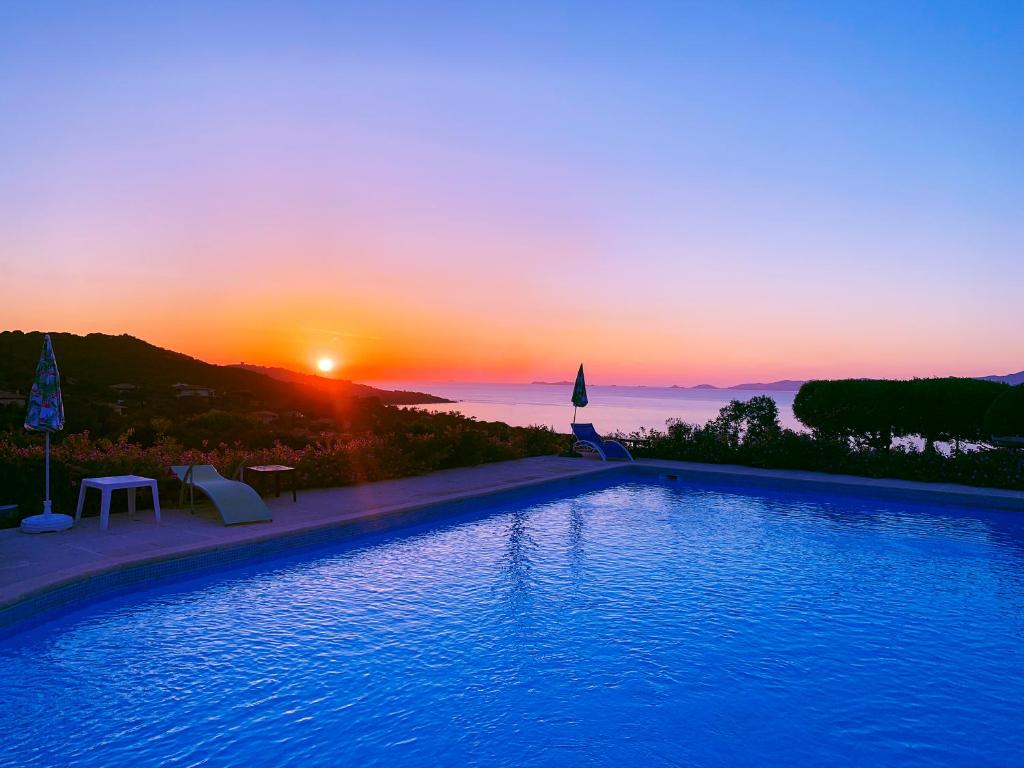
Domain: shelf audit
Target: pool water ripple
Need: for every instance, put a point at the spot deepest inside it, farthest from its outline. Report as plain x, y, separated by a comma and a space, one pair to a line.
633, 623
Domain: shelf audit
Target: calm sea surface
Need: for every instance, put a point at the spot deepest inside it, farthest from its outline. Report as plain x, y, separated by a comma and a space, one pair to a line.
611, 408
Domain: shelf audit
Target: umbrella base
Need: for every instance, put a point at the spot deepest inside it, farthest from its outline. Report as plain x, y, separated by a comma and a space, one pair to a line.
46, 523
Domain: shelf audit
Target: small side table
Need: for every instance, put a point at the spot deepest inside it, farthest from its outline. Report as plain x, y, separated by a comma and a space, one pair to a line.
105, 485
276, 470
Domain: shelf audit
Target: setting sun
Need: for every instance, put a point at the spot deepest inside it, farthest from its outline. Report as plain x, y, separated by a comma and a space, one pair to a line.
562, 319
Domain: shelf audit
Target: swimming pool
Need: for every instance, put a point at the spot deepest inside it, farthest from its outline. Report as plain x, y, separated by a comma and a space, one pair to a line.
623, 622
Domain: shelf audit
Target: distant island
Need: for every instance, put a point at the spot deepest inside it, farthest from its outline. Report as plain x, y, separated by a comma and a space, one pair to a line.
783, 385
1013, 379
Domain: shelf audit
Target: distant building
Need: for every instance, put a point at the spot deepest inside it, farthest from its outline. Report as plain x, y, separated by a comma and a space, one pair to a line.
117, 408
241, 397
192, 390
263, 417
11, 398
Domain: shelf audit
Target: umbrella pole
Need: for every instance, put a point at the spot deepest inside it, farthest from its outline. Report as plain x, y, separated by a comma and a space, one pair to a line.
46, 504
574, 414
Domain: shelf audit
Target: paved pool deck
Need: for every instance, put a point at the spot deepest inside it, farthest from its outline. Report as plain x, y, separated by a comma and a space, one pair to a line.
33, 566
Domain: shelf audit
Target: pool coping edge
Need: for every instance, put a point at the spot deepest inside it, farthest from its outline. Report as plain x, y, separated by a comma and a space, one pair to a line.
93, 581
97, 580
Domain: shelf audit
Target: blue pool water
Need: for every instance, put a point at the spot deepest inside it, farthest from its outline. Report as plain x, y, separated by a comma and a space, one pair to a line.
630, 623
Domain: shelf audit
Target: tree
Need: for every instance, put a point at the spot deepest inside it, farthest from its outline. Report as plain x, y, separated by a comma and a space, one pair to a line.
753, 422
1005, 417
872, 412
866, 411
948, 409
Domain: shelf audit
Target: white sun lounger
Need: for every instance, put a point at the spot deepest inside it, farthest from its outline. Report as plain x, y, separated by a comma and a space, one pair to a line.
236, 502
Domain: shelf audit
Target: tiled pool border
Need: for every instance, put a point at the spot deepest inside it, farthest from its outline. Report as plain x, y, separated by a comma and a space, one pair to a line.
41, 605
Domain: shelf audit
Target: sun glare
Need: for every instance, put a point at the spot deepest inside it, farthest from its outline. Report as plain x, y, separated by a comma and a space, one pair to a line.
325, 365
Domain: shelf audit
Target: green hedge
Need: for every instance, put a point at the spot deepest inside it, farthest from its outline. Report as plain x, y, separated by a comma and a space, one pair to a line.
1005, 417
749, 434
873, 412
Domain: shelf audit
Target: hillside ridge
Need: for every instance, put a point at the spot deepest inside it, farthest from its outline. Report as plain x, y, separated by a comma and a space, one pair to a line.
99, 362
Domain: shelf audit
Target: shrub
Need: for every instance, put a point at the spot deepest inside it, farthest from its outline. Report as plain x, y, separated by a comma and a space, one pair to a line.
872, 412
866, 411
331, 460
723, 440
947, 409
23, 482
1005, 417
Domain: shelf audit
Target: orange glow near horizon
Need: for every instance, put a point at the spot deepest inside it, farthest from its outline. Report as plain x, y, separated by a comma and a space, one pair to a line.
406, 346
422, 203
444, 300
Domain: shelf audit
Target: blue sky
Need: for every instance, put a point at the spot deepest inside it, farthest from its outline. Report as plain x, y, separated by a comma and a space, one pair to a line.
758, 189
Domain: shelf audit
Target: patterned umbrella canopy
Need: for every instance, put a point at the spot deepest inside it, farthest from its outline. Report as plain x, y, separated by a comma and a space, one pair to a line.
45, 406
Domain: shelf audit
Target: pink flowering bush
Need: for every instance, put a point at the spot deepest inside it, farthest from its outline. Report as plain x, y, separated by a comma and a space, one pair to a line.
331, 460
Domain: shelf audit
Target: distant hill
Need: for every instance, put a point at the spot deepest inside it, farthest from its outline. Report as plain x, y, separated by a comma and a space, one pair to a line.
92, 365
342, 386
1013, 379
785, 385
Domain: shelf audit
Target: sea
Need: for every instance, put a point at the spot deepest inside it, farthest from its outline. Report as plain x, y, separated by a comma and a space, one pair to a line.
611, 408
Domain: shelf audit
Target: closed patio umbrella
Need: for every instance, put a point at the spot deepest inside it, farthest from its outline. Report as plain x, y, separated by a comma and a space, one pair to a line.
46, 414
579, 393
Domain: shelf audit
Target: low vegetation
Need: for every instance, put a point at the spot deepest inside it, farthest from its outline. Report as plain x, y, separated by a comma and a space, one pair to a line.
1005, 418
870, 413
869, 428
133, 408
937, 430
404, 442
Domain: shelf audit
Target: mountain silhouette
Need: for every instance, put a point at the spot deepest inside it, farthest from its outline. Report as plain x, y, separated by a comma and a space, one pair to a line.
98, 365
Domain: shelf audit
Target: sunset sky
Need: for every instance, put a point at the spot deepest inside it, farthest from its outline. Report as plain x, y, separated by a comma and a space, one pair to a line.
678, 193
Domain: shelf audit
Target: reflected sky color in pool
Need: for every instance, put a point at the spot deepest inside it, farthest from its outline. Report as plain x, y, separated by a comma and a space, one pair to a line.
634, 623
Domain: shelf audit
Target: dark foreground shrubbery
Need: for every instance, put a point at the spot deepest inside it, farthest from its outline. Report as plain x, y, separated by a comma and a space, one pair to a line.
1006, 415
749, 433
437, 441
